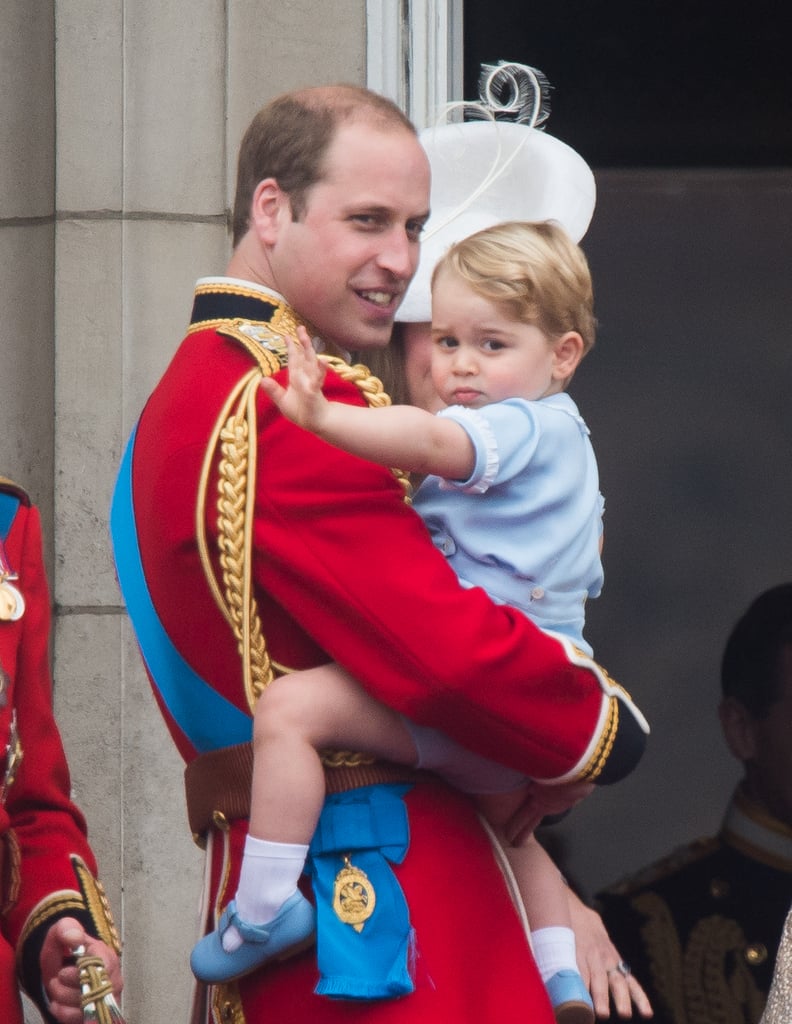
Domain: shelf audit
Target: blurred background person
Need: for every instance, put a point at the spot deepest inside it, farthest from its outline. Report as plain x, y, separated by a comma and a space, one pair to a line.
701, 927
50, 899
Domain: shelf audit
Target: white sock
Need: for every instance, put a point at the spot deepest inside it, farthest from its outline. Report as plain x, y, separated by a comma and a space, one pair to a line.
554, 950
268, 877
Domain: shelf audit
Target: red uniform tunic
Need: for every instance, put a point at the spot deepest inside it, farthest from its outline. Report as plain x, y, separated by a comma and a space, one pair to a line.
46, 865
343, 569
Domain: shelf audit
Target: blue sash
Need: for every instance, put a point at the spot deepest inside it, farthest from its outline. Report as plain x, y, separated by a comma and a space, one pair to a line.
206, 718
9, 503
368, 824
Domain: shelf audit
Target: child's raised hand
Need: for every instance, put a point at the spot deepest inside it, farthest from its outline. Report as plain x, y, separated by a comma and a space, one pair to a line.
301, 400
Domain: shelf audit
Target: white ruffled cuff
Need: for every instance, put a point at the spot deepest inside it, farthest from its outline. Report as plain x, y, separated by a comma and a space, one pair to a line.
486, 447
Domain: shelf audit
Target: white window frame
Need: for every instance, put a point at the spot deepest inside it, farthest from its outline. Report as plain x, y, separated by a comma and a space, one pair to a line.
414, 54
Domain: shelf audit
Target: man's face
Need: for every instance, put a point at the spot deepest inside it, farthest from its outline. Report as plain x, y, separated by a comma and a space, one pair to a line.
769, 772
346, 264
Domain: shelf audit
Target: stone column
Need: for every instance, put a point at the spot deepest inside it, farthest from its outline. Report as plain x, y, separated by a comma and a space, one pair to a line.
27, 199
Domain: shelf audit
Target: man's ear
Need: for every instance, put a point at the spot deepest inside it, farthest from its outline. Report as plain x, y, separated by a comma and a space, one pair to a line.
738, 727
567, 353
269, 210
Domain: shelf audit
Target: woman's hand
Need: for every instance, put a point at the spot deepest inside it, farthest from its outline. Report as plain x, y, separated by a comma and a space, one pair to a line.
600, 963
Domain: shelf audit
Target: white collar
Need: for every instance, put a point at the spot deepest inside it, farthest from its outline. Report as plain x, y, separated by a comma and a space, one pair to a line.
751, 830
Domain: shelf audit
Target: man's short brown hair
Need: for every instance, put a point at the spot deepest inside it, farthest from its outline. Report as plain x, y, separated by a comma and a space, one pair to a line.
288, 139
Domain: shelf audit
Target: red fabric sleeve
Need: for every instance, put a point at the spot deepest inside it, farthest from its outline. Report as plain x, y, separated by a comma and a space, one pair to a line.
338, 548
345, 571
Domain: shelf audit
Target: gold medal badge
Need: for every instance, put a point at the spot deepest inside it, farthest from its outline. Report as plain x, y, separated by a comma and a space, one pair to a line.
12, 604
354, 898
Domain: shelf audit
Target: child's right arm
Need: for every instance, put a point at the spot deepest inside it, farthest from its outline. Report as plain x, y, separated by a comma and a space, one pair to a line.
395, 435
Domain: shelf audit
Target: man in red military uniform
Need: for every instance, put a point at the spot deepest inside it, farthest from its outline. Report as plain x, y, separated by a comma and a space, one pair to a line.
237, 533
50, 900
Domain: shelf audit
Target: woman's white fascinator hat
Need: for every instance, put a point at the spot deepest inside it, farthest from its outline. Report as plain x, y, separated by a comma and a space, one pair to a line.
498, 166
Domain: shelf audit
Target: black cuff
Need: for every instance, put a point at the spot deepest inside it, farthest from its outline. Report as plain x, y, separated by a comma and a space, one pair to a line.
628, 747
30, 962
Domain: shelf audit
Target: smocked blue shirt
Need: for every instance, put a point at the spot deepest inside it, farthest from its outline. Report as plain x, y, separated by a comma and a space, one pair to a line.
526, 525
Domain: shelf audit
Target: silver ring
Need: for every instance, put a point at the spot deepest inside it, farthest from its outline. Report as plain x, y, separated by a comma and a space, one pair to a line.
622, 968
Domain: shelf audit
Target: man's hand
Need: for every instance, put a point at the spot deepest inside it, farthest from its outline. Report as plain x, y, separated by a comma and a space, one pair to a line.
302, 400
60, 978
541, 801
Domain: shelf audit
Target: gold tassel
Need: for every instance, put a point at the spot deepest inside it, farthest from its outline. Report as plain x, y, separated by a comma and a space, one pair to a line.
98, 1003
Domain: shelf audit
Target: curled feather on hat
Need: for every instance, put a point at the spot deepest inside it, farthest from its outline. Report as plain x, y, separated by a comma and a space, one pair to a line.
497, 166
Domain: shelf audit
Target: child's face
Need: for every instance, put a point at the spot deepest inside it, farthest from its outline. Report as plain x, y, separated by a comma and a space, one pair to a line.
481, 354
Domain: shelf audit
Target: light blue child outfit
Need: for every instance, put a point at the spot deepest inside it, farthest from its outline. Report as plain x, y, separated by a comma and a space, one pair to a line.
526, 526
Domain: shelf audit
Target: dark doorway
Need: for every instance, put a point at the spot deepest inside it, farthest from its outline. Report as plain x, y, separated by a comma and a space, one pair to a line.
650, 83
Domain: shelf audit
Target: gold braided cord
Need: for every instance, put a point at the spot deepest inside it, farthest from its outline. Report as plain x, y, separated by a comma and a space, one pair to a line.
254, 645
236, 496
235, 435
203, 485
707, 982
97, 1000
359, 375
598, 760
664, 952
719, 987
372, 390
232, 433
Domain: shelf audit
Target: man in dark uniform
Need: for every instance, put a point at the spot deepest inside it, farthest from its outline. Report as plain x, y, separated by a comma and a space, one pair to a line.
701, 928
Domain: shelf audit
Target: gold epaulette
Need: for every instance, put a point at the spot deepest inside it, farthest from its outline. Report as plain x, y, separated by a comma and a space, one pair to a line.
266, 345
9, 487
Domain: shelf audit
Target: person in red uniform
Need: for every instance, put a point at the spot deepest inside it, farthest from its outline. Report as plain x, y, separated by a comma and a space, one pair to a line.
50, 899
247, 548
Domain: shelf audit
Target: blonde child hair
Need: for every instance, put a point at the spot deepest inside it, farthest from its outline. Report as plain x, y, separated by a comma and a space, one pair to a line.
534, 270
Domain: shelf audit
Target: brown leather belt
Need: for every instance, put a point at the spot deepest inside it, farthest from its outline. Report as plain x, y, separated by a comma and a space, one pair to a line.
219, 783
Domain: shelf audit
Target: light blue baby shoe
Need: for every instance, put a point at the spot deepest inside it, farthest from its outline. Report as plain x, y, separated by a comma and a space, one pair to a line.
288, 933
570, 998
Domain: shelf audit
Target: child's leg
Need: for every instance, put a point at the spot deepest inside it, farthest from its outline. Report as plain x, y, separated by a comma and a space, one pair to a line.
296, 717
541, 885
544, 894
